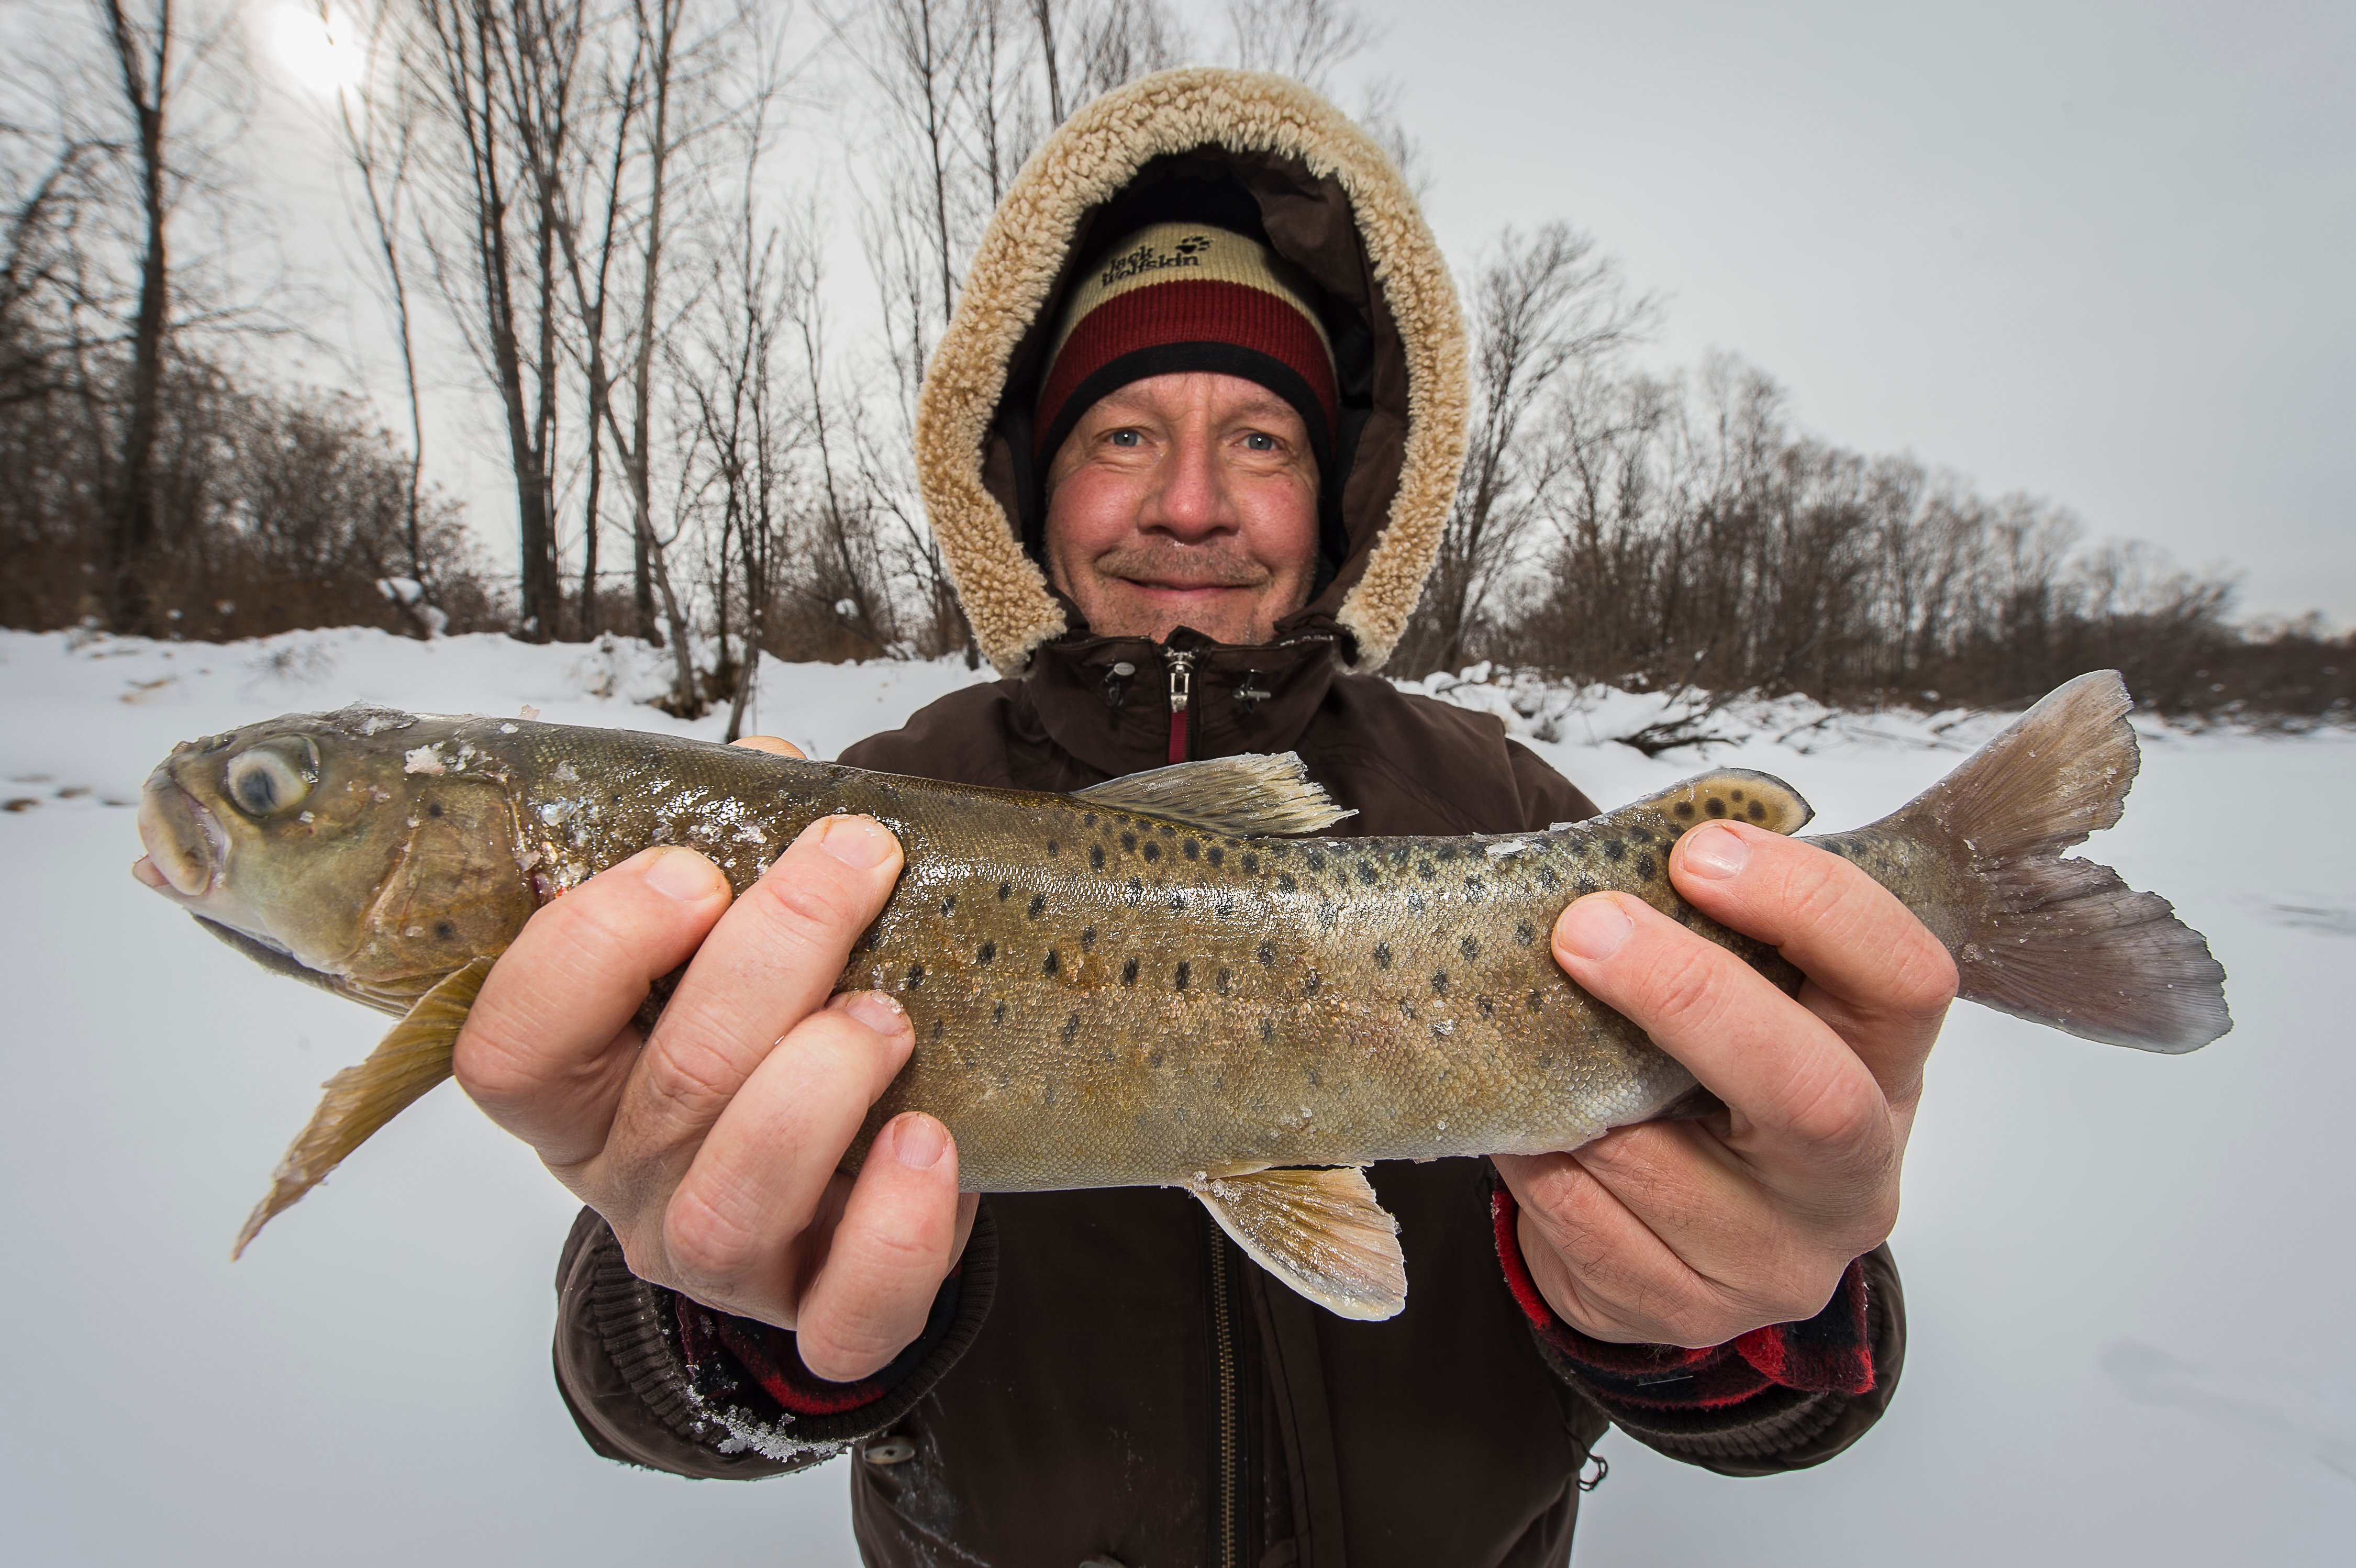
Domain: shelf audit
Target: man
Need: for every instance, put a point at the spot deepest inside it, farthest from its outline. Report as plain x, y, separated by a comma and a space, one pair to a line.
1187, 447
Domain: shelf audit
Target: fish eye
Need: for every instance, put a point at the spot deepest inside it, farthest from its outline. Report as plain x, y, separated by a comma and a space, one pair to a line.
273, 776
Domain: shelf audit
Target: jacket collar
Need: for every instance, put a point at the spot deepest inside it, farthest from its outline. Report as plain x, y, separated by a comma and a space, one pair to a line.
1108, 701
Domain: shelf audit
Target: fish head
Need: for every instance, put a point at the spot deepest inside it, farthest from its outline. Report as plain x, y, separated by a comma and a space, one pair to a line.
321, 836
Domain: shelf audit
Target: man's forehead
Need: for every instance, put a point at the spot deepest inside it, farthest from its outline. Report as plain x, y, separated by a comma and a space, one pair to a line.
1232, 396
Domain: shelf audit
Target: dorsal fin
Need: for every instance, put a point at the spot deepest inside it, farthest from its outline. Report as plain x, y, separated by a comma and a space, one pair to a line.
1319, 1231
1732, 795
363, 1098
1247, 796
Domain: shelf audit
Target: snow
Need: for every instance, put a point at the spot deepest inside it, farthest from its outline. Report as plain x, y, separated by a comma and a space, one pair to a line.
2126, 1274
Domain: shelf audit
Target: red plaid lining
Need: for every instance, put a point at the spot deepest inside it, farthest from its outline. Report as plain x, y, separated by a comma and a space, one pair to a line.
713, 1342
1831, 1352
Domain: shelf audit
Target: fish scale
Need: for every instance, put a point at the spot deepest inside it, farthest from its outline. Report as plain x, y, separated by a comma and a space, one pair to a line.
1159, 979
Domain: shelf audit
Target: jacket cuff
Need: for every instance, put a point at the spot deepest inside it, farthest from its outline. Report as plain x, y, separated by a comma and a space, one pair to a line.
657, 1380
1767, 1400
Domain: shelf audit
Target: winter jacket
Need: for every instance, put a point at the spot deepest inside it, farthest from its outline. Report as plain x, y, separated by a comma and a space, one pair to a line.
1105, 1377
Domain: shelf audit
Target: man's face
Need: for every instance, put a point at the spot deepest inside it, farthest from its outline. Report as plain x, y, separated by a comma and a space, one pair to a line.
1186, 500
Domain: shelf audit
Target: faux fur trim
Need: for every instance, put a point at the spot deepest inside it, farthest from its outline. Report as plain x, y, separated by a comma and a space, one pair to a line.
1085, 162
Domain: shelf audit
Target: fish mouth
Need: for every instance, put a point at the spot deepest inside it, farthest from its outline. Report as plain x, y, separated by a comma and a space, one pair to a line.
186, 846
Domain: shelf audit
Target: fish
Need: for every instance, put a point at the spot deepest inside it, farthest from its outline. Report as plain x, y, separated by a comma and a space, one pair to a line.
1166, 978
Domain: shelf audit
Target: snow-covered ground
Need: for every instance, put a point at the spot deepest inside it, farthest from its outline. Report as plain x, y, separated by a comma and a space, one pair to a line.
2129, 1276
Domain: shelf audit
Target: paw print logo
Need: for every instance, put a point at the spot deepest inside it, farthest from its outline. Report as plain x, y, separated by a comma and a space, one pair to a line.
1193, 244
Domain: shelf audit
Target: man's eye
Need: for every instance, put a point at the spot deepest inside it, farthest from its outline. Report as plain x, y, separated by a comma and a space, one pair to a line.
1126, 439
1261, 441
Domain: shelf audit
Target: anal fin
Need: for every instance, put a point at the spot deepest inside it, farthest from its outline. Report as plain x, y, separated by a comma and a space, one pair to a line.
1319, 1231
1245, 795
411, 1059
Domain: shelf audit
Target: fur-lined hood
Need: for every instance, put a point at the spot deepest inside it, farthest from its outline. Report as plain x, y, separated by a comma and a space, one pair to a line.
1327, 199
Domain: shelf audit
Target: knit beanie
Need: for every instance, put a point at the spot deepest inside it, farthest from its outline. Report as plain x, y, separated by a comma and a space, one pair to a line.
1190, 296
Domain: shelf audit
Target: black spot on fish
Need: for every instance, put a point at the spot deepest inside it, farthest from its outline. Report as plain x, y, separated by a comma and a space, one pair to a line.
1399, 855
1005, 891
1315, 860
948, 905
1548, 879
1584, 884
1051, 963
1088, 818
1439, 982
1407, 1010
916, 975
1136, 891
1128, 972
1051, 1094
1280, 850
1535, 1005
1470, 948
1153, 1056
1614, 850
1488, 1008
1309, 986
1129, 844
1185, 973
1425, 870
1737, 794
1640, 834
988, 950
1285, 883
1328, 915
1474, 889
1251, 864
1381, 955
1191, 850
1644, 865
1267, 1030
1525, 934
1153, 852
1415, 904
998, 1013
1756, 811
1071, 1027
1714, 806
938, 1026
1446, 852
1095, 857
444, 930
1683, 808
1367, 873
1168, 831
1038, 905
1310, 1073
1217, 854
434, 809
1220, 984
1052, 848
1225, 908
1266, 954
1087, 938
1177, 903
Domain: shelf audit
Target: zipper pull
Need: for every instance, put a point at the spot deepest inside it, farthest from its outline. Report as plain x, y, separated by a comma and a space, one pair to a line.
1182, 694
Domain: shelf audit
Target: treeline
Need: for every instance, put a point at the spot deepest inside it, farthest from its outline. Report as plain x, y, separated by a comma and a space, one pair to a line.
631, 220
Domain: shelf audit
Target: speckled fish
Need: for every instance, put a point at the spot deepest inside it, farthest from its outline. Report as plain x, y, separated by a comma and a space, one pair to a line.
1143, 984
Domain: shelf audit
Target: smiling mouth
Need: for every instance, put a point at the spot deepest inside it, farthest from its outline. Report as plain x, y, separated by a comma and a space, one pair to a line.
186, 847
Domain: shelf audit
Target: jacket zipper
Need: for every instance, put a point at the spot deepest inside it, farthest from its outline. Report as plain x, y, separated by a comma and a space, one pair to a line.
1223, 1346
1182, 697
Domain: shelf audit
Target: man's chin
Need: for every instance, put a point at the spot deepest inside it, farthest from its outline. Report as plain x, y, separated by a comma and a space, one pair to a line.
1223, 615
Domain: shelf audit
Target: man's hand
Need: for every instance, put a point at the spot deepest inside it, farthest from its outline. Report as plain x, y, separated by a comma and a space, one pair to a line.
711, 1145
1693, 1232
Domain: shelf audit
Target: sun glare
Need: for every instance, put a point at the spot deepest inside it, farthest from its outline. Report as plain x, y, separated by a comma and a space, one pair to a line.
322, 54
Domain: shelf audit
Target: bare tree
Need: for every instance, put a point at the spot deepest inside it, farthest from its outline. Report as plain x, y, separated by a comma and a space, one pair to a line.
1304, 39
1540, 307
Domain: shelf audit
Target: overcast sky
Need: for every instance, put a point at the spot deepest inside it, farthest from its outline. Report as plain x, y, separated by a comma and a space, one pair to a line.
2098, 253
2104, 253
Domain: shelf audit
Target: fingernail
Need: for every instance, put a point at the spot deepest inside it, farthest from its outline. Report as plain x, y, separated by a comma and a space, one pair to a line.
918, 1141
1716, 852
877, 1011
855, 841
1593, 928
680, 874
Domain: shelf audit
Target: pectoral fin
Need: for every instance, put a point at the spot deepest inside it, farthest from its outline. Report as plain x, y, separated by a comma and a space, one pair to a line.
407, 1063
1319, 1231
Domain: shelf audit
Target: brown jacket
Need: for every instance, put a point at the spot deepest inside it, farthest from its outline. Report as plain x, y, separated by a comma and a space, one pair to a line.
1106, 1376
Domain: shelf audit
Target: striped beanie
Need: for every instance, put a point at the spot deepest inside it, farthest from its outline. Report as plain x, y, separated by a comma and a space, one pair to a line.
1190, 296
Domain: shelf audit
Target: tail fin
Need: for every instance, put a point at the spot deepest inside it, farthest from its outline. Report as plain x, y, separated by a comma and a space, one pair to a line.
2064, 943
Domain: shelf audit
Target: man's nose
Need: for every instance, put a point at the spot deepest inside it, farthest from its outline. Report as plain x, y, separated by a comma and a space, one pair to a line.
1192, 500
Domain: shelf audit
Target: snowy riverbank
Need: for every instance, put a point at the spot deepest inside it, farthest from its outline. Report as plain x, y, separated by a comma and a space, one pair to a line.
2127, 1275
